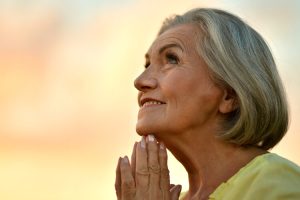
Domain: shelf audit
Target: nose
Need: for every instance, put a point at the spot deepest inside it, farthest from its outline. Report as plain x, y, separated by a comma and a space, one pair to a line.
145, 82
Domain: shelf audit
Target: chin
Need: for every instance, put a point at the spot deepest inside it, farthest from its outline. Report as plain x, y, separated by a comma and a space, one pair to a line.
144, 129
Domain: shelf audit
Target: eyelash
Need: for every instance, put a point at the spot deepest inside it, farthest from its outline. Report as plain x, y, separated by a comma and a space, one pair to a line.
173, 57
147, 65
169, 56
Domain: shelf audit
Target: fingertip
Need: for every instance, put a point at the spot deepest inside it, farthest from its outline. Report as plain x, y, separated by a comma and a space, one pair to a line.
151, 138
163, 151
134, 151
179, 188
126, 160
162, 146
119, 163
175, 191
122, 161
143, 143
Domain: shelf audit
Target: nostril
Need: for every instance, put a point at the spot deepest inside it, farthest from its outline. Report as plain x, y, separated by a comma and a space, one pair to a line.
145, 87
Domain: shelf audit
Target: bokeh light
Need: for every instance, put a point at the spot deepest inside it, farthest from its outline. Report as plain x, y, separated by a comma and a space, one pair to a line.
67, 102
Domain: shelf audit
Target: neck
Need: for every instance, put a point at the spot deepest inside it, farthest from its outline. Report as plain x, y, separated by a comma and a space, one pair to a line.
208, 160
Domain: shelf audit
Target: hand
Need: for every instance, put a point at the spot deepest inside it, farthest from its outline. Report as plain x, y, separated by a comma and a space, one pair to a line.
147, 177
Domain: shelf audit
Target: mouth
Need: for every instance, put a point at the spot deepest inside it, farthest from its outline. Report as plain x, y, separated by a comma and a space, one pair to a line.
146, 102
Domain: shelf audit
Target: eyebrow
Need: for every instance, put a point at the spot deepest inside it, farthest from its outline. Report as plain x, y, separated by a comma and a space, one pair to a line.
163, 48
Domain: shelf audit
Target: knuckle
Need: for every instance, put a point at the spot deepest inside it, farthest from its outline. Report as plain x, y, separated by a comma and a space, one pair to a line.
165, 171
128, 194
154, 168
142, 171
163, 155
128, 185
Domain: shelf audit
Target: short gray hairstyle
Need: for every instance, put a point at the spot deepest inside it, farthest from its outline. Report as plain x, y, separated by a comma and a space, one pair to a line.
240, 60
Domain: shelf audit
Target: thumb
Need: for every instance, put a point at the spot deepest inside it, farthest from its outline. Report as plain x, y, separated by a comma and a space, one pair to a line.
175, 192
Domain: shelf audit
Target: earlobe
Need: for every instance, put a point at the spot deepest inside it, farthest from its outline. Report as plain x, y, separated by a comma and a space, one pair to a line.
229, 102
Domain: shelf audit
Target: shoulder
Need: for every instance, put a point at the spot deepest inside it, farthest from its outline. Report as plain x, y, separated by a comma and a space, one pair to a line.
275, 177
276, 168
272, 176
266, 177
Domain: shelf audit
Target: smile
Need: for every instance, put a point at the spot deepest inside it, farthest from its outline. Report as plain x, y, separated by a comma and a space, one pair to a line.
149, 103
146, 102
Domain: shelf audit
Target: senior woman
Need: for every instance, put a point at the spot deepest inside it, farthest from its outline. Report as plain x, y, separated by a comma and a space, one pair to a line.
211, 94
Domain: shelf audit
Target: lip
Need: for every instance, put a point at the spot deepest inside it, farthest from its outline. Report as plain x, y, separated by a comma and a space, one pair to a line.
146, 99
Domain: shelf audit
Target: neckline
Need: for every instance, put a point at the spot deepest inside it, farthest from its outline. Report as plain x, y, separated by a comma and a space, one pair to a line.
251, 163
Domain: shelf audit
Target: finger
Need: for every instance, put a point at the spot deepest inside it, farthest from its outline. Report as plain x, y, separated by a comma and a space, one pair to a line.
175, 192
164, 171
154, 167
118, 180
171, 186
133, 160
141, 170
127, 181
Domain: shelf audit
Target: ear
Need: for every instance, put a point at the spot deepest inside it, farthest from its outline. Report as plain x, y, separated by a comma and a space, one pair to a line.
229, 101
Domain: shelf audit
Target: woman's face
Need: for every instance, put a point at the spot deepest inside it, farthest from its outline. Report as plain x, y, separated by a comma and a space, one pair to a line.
176, 93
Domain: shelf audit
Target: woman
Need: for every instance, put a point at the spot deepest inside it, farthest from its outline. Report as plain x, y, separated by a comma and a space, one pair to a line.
211, 94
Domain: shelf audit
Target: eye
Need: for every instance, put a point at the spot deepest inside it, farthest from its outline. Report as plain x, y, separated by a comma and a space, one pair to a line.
172, 58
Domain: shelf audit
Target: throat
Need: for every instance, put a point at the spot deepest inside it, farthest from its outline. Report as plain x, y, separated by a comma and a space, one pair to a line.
210, 165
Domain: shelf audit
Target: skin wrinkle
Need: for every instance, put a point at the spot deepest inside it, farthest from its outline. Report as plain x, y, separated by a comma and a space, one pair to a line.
186, 62
176, 40
189, 121
198, 88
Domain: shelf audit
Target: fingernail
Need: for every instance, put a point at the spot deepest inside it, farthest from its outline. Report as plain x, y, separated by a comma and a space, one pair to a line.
151, 138
179, 187
134, 146
162, 145
143, 143
125, 159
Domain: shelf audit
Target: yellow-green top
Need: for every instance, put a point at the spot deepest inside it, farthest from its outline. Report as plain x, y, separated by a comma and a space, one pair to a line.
266, 177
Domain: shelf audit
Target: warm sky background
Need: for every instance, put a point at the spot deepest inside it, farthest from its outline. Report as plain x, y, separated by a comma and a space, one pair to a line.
67, 102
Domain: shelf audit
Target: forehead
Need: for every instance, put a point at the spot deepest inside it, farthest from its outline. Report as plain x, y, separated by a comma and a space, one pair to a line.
183, 35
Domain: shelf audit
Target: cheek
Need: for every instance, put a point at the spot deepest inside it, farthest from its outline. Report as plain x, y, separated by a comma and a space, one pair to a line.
176, 83
192, 101
208, 97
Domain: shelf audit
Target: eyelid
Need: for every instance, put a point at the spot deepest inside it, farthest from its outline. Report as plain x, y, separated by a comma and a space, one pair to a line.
146, 65
171, 55
167, 53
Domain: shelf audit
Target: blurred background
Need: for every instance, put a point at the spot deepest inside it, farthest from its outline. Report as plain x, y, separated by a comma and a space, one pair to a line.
67, 103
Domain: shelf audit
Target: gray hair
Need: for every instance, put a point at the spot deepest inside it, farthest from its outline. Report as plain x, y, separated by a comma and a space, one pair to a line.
241, 61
